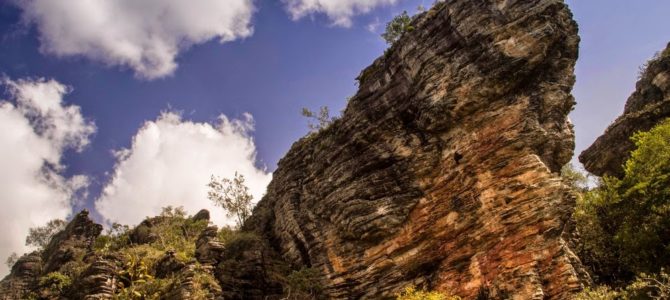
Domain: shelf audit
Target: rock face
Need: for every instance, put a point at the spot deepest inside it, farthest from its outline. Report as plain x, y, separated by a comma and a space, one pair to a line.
66, 248
22, 279
646, 107
442, 171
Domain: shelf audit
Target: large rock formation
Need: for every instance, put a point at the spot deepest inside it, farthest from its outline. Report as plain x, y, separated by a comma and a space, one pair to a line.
646, 107
442, 171
66, 248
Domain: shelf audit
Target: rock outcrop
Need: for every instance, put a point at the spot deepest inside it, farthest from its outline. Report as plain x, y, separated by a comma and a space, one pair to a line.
646, 107
22, 279
65, 249
442, 171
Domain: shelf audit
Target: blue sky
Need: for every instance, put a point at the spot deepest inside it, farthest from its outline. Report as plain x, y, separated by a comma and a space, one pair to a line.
292, 59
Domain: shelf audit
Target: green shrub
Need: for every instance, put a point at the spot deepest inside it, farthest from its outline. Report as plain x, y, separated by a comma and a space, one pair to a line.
656, 286
305, 283
625, 223
411, 293
398, 26
55, 282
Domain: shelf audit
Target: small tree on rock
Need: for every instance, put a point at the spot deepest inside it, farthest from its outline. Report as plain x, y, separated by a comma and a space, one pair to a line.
41, 236
398, 26
318, 120
233, 196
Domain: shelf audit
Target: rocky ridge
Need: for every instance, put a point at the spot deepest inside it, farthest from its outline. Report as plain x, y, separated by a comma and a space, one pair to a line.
442, 171
646, 107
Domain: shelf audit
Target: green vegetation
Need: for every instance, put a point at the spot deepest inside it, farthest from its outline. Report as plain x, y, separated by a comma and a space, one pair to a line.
55, 282
136, 282
574, 178
233, 196
174, 232
304, 284
411, 293
397, 27
624, 223
318, 120
40, 237
656, 286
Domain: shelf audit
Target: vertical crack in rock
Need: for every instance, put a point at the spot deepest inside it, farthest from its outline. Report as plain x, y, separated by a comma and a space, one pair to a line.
442, 171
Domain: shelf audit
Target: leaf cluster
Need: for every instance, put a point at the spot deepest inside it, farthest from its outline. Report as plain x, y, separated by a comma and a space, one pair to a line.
412, 293
625, 222
397, 27
233, 196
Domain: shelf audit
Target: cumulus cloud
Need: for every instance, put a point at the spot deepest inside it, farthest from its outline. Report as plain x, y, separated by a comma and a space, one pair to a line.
170, 162
339, 12
35, 130
146, 35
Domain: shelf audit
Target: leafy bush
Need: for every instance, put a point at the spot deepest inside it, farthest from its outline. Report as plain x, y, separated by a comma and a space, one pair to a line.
574, 178
625, 223
136, 280
55, 282
305, 283
398, 26
599, 293
411, 293
116, 237
656, 287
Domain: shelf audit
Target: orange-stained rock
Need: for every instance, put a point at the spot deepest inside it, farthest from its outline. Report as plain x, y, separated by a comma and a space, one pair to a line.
442, 172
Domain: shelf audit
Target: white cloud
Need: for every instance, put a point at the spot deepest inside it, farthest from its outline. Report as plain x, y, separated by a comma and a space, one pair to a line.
339, 12
146, 35
170, 162
374, 25
35, 129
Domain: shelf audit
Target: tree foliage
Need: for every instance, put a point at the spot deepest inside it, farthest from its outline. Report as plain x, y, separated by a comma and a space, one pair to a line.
398, 26
318, 120
574, 178
411, 293
233, 196
304, 284
12, 259
625, 222
41, 236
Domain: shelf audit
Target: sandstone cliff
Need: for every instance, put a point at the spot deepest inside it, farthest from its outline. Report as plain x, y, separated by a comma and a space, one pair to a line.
441, 173
646, 107
442, 170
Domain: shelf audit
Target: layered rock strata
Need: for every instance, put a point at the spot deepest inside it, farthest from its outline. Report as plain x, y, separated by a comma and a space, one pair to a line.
646, 107
442, 171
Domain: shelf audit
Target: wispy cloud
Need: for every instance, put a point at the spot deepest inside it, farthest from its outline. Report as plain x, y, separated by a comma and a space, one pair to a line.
145, 36
340, 12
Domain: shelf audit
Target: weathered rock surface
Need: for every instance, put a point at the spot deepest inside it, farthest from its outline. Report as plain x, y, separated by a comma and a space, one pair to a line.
66, 248
72, 243
646, 107
442, 172
22, 279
